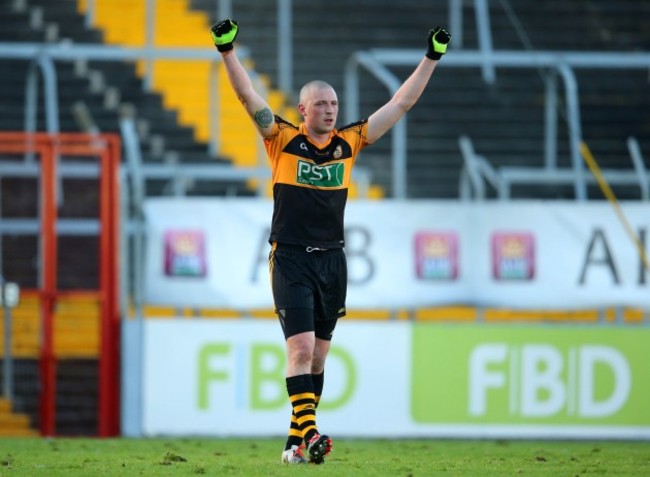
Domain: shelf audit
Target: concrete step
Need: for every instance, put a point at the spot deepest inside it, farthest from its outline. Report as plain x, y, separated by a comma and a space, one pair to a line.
7, 432
14, 424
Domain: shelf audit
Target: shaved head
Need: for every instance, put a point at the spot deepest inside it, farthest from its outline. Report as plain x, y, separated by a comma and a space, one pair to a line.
308, 90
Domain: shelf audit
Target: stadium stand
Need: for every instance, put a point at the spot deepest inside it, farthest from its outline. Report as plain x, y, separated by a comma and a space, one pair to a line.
103, 88
505, 119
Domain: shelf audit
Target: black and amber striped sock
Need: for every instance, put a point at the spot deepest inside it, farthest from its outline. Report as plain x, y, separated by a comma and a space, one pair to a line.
295, 436
319, 381
303, 402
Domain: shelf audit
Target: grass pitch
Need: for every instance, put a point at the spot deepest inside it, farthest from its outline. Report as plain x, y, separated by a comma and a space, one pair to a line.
83, 457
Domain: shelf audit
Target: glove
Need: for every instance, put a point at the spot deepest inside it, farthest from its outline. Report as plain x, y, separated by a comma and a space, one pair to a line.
223, 34
437, 42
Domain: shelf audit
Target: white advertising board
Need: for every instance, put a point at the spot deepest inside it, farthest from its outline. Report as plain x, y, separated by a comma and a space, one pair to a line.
228, 378
548, 255
401, 379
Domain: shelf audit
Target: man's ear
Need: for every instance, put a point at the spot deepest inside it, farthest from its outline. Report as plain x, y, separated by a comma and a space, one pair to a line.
301, 109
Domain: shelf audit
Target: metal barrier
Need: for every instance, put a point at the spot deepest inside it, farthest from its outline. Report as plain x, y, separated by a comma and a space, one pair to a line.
106, 149
477, 172
46, 54
562, 65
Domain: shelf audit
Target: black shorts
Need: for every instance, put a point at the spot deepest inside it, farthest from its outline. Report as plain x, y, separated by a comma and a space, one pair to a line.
309, 288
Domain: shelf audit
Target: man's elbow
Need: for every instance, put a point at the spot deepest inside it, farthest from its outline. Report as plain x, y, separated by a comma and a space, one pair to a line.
404, 104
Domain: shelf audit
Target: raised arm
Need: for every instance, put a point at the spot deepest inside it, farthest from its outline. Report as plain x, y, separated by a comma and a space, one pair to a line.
407, 95
224, 34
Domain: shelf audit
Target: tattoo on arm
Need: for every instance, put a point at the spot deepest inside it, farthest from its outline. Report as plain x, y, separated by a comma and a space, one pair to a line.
264, 117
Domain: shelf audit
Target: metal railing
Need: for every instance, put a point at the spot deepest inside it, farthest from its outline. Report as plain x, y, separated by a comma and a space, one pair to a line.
46, 54
558, 64
477, 173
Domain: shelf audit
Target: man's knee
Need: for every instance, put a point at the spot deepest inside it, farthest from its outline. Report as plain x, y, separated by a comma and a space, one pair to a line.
321, 348
300, 348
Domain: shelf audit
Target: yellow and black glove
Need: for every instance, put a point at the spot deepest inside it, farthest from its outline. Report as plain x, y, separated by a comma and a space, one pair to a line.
437, 42
223, 34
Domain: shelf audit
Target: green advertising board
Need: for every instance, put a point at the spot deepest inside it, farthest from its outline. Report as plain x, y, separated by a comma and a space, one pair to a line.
531, 375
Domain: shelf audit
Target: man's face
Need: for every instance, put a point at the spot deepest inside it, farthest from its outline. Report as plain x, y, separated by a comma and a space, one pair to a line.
319, 109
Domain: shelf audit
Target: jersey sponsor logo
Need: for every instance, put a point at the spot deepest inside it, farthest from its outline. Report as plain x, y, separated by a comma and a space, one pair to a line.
329, 176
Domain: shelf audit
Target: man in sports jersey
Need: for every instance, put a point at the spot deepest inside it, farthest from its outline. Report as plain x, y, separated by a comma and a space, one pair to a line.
311, 166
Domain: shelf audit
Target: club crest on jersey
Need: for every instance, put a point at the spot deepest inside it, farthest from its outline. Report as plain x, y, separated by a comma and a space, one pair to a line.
338, 152
329, 175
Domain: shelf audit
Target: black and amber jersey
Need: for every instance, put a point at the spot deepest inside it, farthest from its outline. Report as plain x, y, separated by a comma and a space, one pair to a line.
310, 182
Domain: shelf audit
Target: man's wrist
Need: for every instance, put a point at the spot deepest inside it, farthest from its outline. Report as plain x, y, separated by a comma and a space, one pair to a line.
224, 48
